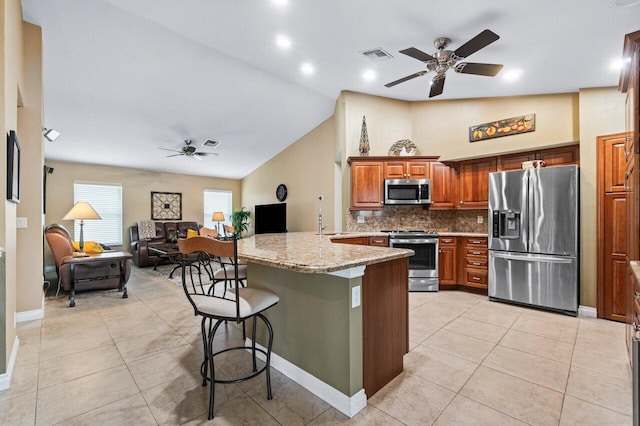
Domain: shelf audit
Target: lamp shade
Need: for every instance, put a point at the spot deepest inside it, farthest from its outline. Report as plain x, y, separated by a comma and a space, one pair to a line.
81, 211
217, 217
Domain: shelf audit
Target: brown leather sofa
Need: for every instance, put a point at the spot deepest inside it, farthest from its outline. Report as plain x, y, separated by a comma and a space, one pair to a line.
166, 239
94, 274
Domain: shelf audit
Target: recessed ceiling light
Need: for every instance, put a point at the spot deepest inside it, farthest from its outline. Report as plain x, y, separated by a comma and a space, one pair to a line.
616, 65
512, 74
283, 41
369, 75
307, 68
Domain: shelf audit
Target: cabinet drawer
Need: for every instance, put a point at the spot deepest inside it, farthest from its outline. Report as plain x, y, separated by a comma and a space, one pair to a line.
379, 241
352, 240
447, 241
476, 278
475, 242
474, 251
477, 262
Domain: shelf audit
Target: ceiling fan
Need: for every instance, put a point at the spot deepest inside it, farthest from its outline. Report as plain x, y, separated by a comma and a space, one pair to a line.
444, 59
188, 151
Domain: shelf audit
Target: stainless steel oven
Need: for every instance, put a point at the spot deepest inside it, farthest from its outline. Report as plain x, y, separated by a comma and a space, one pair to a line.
423, 265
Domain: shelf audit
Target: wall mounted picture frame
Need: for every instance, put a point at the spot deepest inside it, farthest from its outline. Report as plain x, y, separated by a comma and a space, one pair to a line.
505, 127
13, 167
166, 205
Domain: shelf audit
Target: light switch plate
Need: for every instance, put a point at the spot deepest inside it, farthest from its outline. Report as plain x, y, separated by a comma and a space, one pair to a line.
480, 219
21, 222
355, 296
360, 219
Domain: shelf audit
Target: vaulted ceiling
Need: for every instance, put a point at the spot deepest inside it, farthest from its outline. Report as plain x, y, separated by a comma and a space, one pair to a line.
126, 77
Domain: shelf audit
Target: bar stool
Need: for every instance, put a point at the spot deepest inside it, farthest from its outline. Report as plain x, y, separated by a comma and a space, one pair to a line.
240, 304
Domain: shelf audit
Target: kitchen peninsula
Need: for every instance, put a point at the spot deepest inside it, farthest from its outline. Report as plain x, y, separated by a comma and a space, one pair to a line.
341, 326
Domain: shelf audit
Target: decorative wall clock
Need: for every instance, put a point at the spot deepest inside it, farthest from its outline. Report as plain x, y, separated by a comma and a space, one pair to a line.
166, 205
281, 192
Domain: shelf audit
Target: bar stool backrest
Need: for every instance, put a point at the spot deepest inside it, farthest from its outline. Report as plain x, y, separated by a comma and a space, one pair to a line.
210, 252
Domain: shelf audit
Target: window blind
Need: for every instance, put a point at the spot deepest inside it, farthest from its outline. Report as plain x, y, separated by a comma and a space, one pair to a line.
106, 199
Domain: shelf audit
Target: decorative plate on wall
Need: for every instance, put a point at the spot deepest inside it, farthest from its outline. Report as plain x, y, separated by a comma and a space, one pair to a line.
404, 147
166, 206
281, 192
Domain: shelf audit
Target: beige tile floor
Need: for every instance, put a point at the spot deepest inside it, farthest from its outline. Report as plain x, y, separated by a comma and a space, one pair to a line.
113, 361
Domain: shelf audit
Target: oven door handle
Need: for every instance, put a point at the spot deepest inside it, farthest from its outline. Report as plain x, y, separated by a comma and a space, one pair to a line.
413, 240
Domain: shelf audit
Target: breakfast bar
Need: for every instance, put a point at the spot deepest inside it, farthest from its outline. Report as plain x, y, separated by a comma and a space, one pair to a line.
341, 326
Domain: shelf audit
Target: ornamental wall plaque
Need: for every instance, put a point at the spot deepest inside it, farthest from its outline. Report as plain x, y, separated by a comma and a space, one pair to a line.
166, 205
505, 127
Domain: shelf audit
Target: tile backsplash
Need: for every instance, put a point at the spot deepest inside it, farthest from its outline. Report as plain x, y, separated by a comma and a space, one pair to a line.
417, 217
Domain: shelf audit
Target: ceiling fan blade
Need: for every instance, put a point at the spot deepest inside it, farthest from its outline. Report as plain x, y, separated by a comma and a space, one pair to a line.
489, 70
174, 155
483, 39
407, 78
172, 150
417, 54
204, 154
437, 85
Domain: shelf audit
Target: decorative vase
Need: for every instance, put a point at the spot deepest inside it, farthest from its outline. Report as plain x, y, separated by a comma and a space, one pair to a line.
364, 138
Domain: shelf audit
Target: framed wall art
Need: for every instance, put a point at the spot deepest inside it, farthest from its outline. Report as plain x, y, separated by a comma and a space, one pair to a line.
505, 127
166, 205
13, 167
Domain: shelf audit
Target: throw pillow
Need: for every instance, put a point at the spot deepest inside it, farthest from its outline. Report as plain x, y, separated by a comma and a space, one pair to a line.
146, 229
192, 233
89, 247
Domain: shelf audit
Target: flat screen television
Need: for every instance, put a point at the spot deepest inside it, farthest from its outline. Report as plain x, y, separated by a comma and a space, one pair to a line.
270, 218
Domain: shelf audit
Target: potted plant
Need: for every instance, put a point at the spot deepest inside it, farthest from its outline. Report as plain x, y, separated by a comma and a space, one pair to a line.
240, 221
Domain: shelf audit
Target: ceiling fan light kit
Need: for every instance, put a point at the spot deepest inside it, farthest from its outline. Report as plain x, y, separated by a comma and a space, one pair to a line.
444, 59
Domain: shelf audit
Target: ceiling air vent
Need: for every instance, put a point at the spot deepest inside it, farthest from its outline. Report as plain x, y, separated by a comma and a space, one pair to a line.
211, 143
377, 54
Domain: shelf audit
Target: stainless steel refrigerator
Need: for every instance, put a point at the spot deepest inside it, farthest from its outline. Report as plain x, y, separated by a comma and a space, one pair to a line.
533, 237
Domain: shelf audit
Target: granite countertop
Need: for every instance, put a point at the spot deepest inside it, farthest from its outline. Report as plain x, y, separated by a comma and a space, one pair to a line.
311, 253
635, 269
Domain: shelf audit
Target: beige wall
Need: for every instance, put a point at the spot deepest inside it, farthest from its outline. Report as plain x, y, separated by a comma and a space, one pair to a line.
601, 113
136, 192
307, 169
29, 240
12, 41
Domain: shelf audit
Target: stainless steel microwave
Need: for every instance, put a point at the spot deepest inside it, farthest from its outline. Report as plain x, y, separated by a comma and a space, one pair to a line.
407, 191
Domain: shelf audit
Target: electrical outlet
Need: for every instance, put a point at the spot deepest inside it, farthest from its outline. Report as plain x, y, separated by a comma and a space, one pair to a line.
480, 219
21, 222
355, 296
360, 219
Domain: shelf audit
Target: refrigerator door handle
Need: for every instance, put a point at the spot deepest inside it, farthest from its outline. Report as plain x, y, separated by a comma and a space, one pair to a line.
549, 259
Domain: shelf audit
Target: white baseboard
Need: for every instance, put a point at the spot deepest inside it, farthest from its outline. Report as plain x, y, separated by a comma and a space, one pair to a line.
587, 311
5, 378
349, 406
29, 315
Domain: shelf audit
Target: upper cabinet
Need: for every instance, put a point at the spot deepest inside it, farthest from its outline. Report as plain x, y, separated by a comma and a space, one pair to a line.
407, 169
560, 156
443, 186
473, 182
514, 161
366, 185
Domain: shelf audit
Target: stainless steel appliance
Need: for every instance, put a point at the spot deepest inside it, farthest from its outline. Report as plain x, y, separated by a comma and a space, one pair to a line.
423, 265
533, 237
407, 191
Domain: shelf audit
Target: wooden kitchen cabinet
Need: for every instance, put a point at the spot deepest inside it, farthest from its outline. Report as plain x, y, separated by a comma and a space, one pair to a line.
563, 155
514, 161
406, 169
448, 262
475, 261
612, 162
443, 186
362, 241
379, 241
473, 182
367, 185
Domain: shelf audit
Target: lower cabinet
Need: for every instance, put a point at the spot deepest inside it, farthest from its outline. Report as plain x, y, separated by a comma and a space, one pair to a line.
378, 241
462, 263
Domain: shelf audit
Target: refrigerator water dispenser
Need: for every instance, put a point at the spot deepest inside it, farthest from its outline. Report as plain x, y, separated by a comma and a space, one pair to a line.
506, 224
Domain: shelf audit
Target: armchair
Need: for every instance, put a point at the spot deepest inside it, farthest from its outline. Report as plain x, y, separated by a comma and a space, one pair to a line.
108, 270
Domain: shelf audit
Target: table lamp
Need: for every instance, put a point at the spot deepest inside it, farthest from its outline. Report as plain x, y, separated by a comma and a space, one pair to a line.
81, 211
217, 217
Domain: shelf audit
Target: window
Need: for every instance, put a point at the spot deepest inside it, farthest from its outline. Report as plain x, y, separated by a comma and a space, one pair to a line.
217, 201
106, 199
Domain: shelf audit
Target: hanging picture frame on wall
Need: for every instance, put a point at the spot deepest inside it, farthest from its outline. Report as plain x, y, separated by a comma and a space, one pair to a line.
13, 167
166, 205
